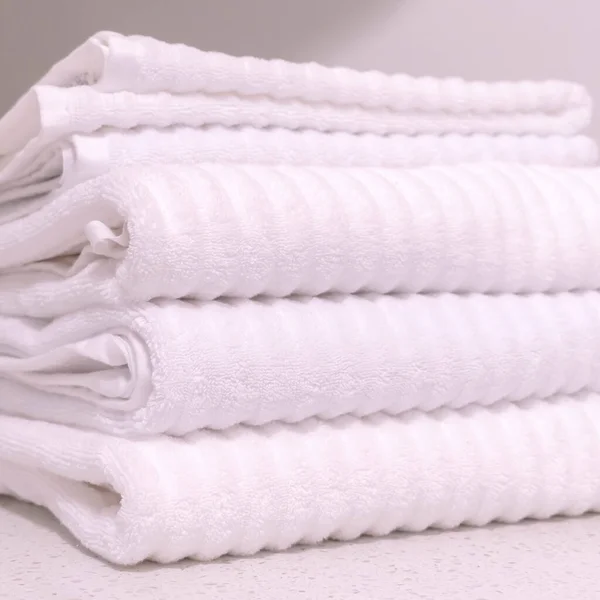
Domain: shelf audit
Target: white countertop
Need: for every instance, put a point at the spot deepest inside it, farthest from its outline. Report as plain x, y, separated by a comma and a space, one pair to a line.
558, 559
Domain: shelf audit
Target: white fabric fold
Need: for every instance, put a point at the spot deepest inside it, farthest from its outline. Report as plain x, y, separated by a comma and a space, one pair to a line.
110, 62
505, 387
247, 489
245, 230
43, 168
125, 82
175, 366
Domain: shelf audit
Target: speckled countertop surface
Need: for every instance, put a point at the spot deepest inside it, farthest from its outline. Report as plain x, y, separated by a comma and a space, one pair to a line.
531, 561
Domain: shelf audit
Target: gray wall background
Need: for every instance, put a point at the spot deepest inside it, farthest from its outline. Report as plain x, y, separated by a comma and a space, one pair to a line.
475, 39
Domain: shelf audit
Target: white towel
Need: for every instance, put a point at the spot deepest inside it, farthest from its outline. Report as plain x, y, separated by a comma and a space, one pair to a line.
247, 489
240, 231
124, 82
279, 93
176, 366
44, 168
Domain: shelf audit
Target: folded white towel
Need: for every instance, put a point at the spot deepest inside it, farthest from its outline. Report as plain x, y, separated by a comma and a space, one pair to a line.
212, 230
155, 84
247, 489
176, 366
43, 168
314, 96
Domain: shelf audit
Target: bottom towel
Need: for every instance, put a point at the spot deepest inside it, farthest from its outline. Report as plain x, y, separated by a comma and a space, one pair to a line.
246, 489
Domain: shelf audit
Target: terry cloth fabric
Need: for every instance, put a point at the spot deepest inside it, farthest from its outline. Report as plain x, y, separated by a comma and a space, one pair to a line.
229, 90
240, 231
175, 366
246, 489
43, 168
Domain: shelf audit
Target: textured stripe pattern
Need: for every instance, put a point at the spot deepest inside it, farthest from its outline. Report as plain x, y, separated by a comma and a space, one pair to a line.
85, 110
241, 231
146, 66
114, 81
188, 365
281, 146
44, 168
248, 489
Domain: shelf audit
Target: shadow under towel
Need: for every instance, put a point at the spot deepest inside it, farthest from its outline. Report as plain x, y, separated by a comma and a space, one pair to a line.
247, 489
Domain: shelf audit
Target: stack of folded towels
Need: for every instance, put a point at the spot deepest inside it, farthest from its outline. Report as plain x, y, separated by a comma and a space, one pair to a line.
247, 304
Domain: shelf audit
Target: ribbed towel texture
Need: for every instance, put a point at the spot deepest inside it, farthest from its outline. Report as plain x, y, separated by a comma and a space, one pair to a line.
241, 231
279, 93
246, 304
177, 366
116, 100
43, 168
247, 489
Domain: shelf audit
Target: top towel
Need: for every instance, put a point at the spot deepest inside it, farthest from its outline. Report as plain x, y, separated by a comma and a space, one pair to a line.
112, 63
213, 88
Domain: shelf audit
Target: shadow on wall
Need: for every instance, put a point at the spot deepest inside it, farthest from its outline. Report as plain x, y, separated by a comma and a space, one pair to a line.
30, 43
